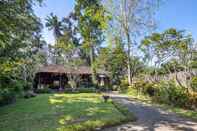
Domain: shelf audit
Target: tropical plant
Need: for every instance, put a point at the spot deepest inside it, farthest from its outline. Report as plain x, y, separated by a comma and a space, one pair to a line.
55, 25
92, 20
19, 29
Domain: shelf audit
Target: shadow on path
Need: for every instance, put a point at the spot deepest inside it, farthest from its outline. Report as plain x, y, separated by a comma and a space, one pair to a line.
150, 118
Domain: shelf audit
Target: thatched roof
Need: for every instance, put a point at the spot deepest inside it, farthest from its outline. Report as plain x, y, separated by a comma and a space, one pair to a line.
68, 70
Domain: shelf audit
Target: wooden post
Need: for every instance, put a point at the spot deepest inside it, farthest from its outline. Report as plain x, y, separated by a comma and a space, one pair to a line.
60, 83
39, 81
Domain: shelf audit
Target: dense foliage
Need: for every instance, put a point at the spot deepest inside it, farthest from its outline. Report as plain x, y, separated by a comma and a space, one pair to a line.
20, 41
113, 60
105, 37
92, 19
166, 92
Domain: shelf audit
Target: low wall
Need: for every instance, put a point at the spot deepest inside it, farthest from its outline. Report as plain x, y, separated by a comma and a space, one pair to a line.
181, 77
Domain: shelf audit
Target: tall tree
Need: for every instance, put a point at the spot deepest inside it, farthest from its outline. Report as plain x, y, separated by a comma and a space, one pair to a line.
171, 44
19, 27
133, 17
54, 24
69, 47
35, 56
113, 60
92, 20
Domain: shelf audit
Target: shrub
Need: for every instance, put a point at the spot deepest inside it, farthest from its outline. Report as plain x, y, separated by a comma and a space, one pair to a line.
45, 90
86, 90
194, 83
9, 91
193, 100
29, 94
27, 86
139, 84
80, 90
6, 97
149, 89
123, 87
161, 95
115, 87
168, 92
124, 82
16, 86
132, 91
145, 87
102, 89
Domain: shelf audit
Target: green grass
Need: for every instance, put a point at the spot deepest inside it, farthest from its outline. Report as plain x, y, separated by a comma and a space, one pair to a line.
124, 110
61, 112
132, 93
182, 112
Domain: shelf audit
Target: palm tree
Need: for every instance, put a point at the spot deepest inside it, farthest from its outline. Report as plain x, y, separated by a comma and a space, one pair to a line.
54, 24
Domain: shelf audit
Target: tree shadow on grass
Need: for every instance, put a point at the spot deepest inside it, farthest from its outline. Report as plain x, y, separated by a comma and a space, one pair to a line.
83, 112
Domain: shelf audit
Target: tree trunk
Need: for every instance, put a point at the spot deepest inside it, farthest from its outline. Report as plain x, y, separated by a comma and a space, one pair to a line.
60, 84
129, 72
176, 78
93, 70
25, 73
129, 59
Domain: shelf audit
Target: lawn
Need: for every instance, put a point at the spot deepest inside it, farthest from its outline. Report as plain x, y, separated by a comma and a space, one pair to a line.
61, 112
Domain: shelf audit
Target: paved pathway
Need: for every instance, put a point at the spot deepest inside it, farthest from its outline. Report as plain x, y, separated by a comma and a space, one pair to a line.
150, 118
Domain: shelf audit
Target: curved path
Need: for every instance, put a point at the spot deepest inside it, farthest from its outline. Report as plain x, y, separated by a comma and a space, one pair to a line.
150, 118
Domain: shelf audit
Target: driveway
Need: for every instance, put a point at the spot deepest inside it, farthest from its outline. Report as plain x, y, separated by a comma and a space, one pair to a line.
151, 118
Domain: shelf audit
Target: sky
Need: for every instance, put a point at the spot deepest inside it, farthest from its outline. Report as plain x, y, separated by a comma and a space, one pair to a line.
180, 14
61, 8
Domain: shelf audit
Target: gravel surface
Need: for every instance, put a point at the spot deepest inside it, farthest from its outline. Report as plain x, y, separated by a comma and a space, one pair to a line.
150, 118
